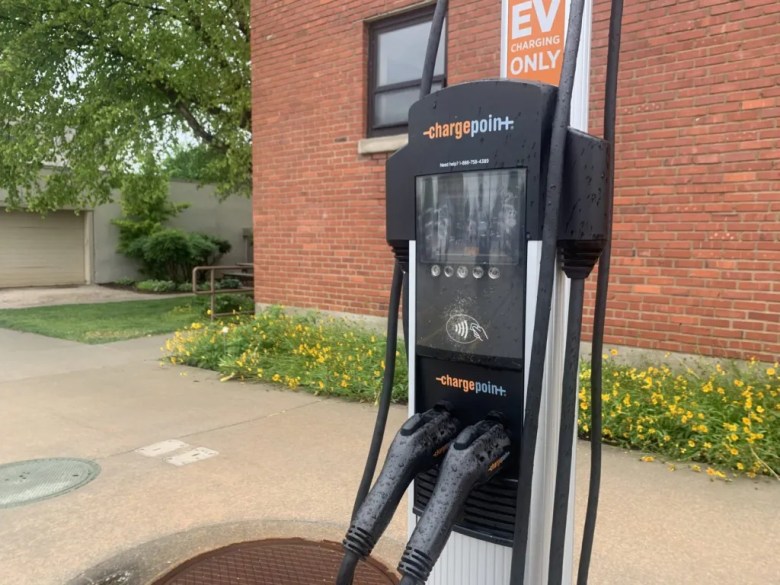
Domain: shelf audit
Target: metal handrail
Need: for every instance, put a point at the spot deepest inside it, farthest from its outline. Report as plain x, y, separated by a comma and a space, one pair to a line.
213, 291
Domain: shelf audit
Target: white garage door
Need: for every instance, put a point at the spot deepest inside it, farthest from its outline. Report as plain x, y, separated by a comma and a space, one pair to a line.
37, 251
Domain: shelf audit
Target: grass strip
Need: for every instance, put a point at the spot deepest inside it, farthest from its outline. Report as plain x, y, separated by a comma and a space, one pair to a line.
105, 322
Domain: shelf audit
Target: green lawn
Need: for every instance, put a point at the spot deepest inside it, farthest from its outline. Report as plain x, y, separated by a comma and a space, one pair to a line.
105, 322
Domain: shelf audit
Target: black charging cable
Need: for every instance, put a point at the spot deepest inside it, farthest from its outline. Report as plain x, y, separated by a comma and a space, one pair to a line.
434, 39
398, 289
545, 291
602, 288
349, 564
386, 395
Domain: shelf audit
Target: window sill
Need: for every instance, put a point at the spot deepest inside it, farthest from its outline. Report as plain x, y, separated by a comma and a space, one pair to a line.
382, 144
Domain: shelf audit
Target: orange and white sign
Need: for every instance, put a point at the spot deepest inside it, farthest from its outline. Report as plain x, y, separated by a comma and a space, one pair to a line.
533, 36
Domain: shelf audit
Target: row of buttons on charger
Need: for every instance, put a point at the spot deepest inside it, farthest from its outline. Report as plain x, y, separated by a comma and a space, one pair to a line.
463, 271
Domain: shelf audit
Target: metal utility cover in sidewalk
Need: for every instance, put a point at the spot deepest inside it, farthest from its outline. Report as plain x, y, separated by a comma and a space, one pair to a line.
274, 562
25, 482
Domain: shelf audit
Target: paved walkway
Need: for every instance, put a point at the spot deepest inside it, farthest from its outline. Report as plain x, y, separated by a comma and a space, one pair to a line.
288, 464
18, 298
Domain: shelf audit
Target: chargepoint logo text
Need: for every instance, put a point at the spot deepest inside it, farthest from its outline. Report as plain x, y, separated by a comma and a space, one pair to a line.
470, 128
467, 385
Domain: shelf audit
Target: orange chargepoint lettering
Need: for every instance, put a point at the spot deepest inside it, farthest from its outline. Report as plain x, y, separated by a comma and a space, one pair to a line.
440, 450
467, 385
469, 128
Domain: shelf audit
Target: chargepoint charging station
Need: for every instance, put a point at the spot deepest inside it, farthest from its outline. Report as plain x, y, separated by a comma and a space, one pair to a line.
466, 195
497, 212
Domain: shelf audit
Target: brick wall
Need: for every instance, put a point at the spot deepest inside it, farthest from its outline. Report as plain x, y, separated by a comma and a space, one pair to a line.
697, 227
697, 250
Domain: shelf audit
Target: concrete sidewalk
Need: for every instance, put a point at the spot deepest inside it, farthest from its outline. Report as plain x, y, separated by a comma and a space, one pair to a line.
288, 464
19, 298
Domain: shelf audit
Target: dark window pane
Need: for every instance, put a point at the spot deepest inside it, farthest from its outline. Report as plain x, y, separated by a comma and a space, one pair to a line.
391, 108
401, 53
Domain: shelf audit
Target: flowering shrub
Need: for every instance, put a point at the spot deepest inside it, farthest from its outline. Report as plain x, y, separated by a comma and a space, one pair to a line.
324, 356
726, 416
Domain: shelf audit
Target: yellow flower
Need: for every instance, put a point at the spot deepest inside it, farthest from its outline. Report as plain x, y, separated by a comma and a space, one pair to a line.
276, 377
733, 451
615, 352
696, 468
770, 371
740, 466
647, 458
691, 443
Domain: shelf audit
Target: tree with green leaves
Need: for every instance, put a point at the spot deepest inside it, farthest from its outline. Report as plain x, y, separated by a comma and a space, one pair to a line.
100, 93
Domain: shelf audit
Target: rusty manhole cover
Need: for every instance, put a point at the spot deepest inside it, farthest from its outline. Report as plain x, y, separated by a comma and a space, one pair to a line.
274, 562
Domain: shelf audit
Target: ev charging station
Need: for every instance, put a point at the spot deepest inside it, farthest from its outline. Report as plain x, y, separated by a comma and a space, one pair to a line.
466, 195
497, 211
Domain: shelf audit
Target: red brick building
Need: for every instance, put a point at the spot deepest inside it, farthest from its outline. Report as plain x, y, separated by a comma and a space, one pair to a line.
696, 261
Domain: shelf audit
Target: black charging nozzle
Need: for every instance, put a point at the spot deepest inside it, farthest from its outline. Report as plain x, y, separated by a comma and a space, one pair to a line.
419, 445
473, 459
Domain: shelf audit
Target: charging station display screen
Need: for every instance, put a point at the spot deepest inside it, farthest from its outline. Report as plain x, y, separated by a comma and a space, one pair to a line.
475, 217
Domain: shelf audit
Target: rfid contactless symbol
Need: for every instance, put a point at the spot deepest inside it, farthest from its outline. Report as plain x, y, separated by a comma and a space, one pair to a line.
462, 328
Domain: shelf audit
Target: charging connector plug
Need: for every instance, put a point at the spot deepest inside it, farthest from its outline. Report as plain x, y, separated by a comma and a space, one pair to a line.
474, 458
418, 446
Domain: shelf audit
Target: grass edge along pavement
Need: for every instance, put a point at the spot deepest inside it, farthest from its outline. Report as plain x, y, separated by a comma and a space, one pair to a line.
726, 415
106, 322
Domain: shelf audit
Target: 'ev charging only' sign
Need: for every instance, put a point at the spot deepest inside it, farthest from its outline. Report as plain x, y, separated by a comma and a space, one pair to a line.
533, 37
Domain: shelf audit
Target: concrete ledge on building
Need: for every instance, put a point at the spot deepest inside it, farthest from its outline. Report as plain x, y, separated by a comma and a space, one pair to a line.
382, 144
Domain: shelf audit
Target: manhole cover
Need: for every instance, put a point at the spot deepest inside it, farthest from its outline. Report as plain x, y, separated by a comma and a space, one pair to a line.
274, 562
24, 482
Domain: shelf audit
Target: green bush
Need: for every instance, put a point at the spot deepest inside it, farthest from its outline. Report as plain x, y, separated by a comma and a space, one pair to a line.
145, 207
171, 254
125, 281
228, 282
157, 286
163, 253
236, 303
